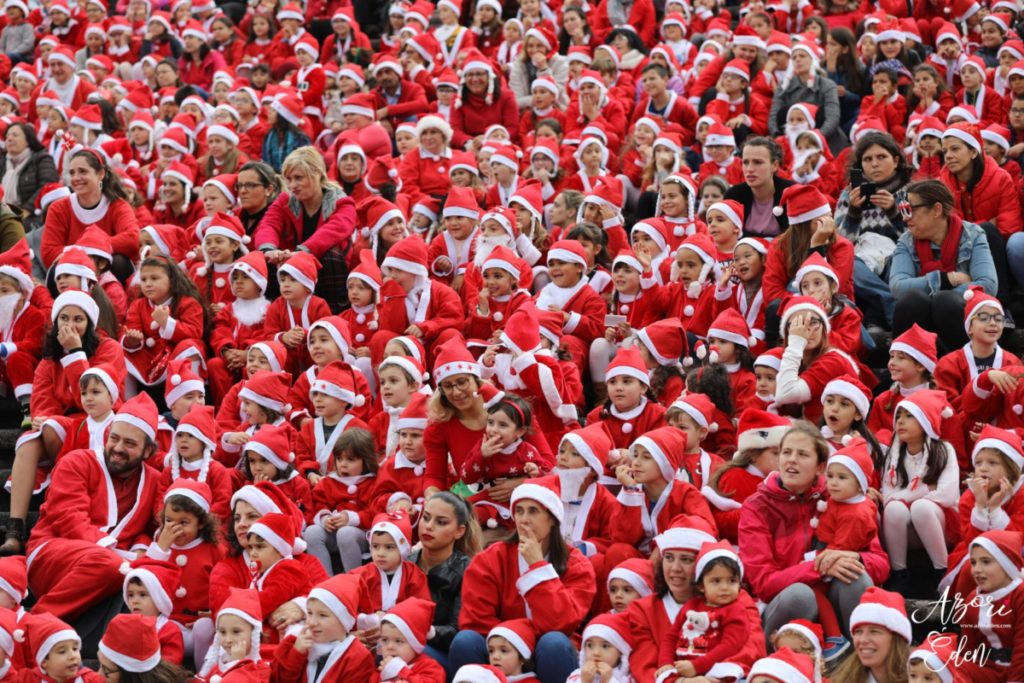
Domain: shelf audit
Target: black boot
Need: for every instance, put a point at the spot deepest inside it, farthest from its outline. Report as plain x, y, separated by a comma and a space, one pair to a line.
14, 543
899, 582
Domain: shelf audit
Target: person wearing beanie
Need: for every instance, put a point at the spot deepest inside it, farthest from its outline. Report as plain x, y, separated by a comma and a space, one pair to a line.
920, 488
912, 362
512, 579
390, 577
76, 562
289, 317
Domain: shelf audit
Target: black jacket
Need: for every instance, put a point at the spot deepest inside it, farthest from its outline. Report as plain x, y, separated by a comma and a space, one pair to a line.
745, 196
445, 583
37, 171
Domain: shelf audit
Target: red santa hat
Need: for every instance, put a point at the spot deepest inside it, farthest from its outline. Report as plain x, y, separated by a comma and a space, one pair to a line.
1005, 548
508, 156
665, 340
886, 609
615, 629
936, 652
808, 110
396, 525
303, 267
194, 490
76, 262
852, 389
275, 353
919, 344
667, 446
519, 633
656, 229
414, 618
732, 327
414, 415
335, 381
278, 530
628, 258
168, 240
802, 203
929, 407
181, 380
73, 297
45, 633
338, 329
62, 53
461, 202
700, 408
1005, 441
966, 132
413, 348
368, 272
50, 193
758, 244
568, 251
361, 104
289, 107
290, 11
522, 332
225, 184
930, 125
815, 263
804, 304
628, 363
161, 579
273, 444
409, 256
703, 246
505, 259
131, 642
731, 209
551, 326
745, 35
715, 551
688, 188
14, 577
199, 423
139, 412
688, 532
977, 299
593, 443
719, 135
243, 603
809, 630
637, 572
453, 358
545, 491
268, 390
785, 666
341, 595
265, 497
254, 266
758, 430
856, 457
529, 195
998, 135
16, 263
889, 30
479, 673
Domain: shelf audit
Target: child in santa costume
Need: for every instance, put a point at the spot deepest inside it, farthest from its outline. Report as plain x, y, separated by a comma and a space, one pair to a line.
802, 636
630, 410
729, 344
739, 286
223, 242
401, 378
268, 456
390, 577
333, 396
405, 630
602, 204
662, 346
270, 356
652, 495
450, 252
912, 361
725, 225
130, 644
331, 609
329, 342
188, 537
501, 454
238, 324
264, 399
784, 666
992, 501
690, 295
22, 326
494, 291
55, 653
76, 269
150, 588
277, 575
400, 478
235, 656
817, 279
757, 452
510, 647
363, 285
342, 502
167, 322
568, 293
182, 389
628, 582
480, 673
412, 302
844, 402
720, 155
920, 485
290, 316
936, 656
958, 369
677, 206
10, 664
694, 415
605, 652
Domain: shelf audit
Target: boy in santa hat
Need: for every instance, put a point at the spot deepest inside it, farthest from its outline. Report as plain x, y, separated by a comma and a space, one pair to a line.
510, 647
629, 581
400, 377
331, 611
277, 575
694, 415
235, 655
332, 396
390, 577
363, 285
290, 316
264, 399
182, 390
400, 478
581, 307
266, 355
450, 252
151, 585
239, 324
130, 644
404, 632
497, 282
912, 361
55, 650
784, 666
22, 327
630, 409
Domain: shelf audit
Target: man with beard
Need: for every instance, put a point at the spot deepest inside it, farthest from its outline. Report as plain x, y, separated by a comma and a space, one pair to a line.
100, 506
396, 98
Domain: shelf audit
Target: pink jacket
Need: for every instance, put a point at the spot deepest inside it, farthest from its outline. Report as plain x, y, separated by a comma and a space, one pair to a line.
775, 533
281, 227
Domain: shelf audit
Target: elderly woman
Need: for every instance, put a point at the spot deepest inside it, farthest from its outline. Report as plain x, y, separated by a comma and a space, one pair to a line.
808, 84
935, 261
538, 58
533, 575
314, 215
484, 103
427, 168
25, 166
874, 223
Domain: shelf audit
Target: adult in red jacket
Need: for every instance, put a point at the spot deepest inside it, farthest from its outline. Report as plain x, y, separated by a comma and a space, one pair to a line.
533, 575
982, 191
484, 102
97, 198
427, 168
652, 616
100, 505
396, 98
638, 16
775, 531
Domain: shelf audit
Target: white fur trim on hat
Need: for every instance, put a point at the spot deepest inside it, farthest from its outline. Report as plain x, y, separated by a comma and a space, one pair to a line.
283, 546
637, 582
880, 615
840, 387
545, 496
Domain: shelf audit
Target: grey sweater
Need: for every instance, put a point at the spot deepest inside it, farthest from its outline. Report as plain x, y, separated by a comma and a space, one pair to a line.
18, 39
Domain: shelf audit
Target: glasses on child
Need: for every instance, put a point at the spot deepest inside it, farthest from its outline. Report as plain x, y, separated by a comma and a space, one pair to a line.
986, 318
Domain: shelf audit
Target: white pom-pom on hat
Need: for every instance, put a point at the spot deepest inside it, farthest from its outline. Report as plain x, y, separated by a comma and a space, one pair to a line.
968, 295
246, 240
702, 351
753, 341
360, 337
150, 342
191, 254
219, 282
947, 412
360, 401
777, 211
687, 362
678, 231
498, 317
713, 427
688, 311
624, 308
1018, 409
432, 633
627, 428
181, 560
492, 523
181, 592
124, 568
175, 380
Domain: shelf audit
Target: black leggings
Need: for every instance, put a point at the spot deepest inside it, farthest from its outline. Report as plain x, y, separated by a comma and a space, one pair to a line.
941, 313
997, 245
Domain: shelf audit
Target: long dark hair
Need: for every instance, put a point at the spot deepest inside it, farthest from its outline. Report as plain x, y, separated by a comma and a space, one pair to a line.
30, 135
52, 349
181, 285
595, 234
209, 524
713, 382
936, 462
848, 63
564, 40
270, 32
634, 40
886, 142
110, 185
912, 99
558, 551
109, 119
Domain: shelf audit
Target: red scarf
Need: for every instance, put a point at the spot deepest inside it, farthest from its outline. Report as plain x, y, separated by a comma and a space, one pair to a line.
946, 263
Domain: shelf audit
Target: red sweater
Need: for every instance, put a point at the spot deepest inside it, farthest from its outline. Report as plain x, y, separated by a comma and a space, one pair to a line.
66, 220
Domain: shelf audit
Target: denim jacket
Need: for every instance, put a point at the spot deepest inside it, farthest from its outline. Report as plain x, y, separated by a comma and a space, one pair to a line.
973, 257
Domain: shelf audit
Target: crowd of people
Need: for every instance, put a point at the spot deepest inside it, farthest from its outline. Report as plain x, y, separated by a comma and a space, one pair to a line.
486, 342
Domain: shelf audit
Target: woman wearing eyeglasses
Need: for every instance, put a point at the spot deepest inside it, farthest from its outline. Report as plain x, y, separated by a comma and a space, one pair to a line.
257, 188
934, 263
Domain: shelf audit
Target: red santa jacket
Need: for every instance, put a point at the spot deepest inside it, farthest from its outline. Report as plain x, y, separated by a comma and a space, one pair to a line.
777, 277
678, 110
302, 405
313, 450
975, 522
484, 327
988, 103
243, 671
848, 525
637, 523
708, 649
442, 310
755, 108
348, 662
422, 669
412, 584
445, 246
229, 332
733, 487
642, 20
66, 220
172, 642
987, 201
55, 383
613, 116
218, 478
732, 171
26, 332
234, 572
498, 585
215, 285
412, 100
424, 172
184, 326
282, 316
284, 580
362, 324
82, 505
956, 372
475, 116
398, 479
625, 427
334, 493
477, 468
196, 559
892, 111
995, 623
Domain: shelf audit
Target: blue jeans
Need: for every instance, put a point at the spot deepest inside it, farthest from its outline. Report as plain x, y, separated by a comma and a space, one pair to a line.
554, 655
441, 657
1015, 256
873, 296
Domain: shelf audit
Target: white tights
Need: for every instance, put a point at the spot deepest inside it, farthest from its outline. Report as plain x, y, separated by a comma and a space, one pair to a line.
923, 524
